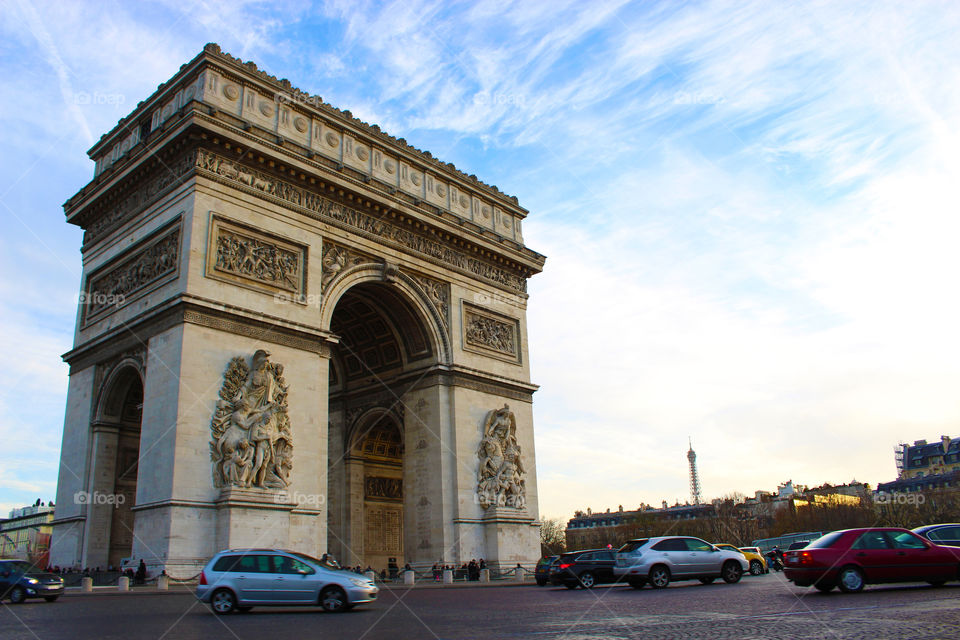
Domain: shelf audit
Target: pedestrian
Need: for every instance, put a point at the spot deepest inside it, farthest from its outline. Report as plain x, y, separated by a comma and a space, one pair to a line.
141, 576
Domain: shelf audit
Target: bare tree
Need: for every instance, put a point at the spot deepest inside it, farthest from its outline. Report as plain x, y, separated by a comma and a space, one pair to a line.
553, 539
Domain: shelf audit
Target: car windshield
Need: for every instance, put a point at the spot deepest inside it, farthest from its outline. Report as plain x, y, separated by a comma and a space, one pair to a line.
19, 566
825, 542
632, 546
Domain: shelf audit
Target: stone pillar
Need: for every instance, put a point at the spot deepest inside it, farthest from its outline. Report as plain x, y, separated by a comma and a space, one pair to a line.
163, 583
372, 575
123, 584
409, 577
484, 575
519, 574
447, 576
86, 584
353, 470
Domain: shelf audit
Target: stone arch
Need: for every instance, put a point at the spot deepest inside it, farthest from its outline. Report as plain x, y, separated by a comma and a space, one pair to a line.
116, 384
413, 295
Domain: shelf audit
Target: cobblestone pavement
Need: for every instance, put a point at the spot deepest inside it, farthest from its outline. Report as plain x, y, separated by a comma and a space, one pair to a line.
757, 607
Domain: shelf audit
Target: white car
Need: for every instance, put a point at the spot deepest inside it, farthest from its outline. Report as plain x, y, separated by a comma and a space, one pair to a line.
659, 561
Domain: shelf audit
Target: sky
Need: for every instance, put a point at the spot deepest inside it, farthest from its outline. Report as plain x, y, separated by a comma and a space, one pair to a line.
749, 212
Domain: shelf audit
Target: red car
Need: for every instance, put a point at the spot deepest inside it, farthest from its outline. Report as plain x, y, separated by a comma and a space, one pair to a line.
855, 557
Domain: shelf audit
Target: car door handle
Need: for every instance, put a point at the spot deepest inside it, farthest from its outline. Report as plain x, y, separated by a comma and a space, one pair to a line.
279, 578
241, 577
861, 554
901, 553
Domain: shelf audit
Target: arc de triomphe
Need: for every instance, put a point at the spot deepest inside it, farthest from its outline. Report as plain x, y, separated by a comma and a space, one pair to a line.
295, 331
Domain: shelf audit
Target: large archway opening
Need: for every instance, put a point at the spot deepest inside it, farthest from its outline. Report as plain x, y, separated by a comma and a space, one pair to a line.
385, 349
120, 418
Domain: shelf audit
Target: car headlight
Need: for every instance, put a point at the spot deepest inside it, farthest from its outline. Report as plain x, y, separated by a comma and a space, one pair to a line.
32, 581
360, 582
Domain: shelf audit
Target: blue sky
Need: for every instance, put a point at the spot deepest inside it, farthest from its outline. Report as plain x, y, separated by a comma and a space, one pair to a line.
749, 211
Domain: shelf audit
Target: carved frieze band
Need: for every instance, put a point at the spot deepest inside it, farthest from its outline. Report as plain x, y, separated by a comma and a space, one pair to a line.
255, 259
145, 265
489, 333
173, 172
372, 225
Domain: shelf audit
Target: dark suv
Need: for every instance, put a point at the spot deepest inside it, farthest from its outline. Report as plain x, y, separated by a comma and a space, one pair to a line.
583, 568
20, 580
542, 571
947, 534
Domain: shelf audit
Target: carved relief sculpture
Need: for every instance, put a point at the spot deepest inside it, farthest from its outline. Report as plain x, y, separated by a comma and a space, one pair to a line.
145, 267
500, 480
252, 444
335, 260
256, 258
490, 334
439, 295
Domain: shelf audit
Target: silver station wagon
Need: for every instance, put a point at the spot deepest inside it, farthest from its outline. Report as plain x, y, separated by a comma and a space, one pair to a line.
658, 561
239, 579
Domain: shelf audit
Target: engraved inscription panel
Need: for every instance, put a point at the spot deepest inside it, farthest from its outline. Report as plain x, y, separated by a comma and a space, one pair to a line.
384, 529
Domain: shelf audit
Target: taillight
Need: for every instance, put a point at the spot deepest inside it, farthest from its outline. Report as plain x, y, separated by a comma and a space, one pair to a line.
566, 566
806, 557
203, 578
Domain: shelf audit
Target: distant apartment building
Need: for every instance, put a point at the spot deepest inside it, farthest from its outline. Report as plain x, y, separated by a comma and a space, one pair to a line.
25, 535
925, 466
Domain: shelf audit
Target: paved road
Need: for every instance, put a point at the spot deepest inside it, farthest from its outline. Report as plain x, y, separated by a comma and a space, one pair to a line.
757, 607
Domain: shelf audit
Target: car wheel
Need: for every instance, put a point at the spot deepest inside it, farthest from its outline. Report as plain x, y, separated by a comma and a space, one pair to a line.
659, 577
18, 594
824, 587
637, 584
937, 583
223, 602
587, 580
756, 568
850, 580
333, 599
707, 580
731, 572
50, 598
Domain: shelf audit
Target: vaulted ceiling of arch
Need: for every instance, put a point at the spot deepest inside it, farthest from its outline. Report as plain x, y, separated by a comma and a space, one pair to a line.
378, 332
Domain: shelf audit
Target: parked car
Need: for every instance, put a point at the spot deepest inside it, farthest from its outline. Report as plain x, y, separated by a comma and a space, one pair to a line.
754, 553
658, 561
942, 534
853, 558
20, 580
239, 579
585, 568
542, 571
755, 561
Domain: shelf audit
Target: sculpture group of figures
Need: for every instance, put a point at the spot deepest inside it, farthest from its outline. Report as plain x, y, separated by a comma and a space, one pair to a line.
251, 444
500, 480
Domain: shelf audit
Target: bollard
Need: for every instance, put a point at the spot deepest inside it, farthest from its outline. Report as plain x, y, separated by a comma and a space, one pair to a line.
484, 575
86, 584
409, 577
371, 575
163, 583
518, 574
447, 576
123, 584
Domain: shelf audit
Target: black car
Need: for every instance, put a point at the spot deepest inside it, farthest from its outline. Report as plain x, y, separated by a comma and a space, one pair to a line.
943, 534
584, 568
20, 580
542, 571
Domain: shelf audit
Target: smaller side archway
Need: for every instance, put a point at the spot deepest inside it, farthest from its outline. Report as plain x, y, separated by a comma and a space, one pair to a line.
114, 467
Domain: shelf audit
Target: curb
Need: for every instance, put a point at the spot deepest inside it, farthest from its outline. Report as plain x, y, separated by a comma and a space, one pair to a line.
189, 588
